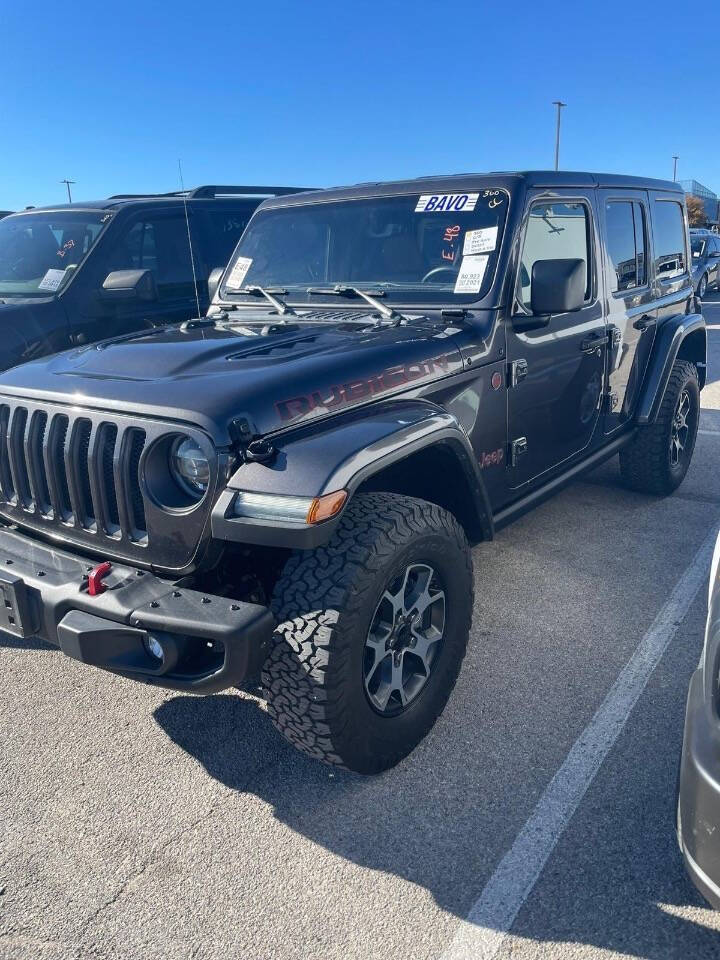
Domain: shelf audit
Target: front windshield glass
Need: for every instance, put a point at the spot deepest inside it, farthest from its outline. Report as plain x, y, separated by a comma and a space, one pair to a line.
414, 248
698, 247
40, 251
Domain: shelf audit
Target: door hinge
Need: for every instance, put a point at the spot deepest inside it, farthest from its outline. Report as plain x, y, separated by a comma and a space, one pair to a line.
518, 372
609, 402
615, 336
517, 449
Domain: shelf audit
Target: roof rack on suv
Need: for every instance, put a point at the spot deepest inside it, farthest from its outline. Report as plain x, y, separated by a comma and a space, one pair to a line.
213, 190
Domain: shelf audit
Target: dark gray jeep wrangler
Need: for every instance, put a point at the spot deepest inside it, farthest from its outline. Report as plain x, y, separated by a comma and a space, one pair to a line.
387, 374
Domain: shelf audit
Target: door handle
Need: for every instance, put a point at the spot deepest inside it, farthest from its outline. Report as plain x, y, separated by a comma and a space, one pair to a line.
642, 323
592, 344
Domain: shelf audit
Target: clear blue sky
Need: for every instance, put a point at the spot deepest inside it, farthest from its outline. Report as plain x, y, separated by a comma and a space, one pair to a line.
330, 93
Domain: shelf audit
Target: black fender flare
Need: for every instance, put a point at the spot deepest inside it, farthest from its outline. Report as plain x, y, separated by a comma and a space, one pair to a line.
341, 454
667, 347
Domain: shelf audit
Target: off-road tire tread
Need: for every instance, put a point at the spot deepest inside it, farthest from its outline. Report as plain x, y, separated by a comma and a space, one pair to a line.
644, 461
303, 704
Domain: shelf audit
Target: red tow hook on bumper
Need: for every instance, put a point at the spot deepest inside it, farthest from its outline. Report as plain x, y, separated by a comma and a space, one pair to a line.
95, 578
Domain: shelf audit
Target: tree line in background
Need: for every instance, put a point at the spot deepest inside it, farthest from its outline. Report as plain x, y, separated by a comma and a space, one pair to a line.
696, 212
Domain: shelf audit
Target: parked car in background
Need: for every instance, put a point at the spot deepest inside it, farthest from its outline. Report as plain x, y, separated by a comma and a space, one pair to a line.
705, 260
77, 273
698, 809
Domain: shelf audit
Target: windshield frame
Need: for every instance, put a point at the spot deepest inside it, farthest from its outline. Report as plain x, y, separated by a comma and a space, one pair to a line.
110, 213
450, 300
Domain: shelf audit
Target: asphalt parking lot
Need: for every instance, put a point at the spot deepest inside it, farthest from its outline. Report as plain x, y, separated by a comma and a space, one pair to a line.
144, 824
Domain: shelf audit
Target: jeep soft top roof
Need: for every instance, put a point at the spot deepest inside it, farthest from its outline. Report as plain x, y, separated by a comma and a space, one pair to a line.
207, 192
552, 179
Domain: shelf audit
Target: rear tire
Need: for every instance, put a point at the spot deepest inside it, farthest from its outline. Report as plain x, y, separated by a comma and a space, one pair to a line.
343, 640
657, 460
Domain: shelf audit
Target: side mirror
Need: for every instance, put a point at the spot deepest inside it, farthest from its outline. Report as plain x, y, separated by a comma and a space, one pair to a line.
137, 285
558, 286
214, 282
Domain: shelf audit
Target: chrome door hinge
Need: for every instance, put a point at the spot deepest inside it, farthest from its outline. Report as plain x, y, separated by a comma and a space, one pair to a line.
517, 372
517, 449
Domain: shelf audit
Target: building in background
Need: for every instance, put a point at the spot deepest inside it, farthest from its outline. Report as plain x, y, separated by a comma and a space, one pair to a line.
709, 199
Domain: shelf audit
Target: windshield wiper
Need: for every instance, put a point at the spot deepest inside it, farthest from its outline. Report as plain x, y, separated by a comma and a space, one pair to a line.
282, 308
341, 290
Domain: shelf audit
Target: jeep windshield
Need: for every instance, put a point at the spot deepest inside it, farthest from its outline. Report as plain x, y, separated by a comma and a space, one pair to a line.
40, 251
411, 248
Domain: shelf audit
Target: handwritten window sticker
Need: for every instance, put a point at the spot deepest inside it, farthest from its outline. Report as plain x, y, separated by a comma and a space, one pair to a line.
470, 275
446, 202
480, 241
52, 280
239, 272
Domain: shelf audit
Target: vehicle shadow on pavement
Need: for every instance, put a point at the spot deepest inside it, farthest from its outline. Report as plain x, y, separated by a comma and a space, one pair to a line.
429, 831
26, 643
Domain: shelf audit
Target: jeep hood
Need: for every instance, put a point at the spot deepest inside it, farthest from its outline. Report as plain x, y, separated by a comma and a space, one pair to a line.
255, 367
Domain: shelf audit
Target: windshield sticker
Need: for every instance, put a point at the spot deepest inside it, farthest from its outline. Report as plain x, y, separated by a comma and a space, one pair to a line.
239, 272
470, 275
480, 241
446, 202
52, 280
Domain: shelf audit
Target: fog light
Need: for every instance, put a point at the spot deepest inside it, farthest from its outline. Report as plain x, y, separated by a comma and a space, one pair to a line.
153, 646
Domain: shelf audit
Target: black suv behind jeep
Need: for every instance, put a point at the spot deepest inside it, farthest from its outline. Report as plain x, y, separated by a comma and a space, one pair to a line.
388, 373
84, 271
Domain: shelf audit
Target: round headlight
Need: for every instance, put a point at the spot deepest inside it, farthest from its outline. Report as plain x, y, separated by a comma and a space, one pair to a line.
189, 466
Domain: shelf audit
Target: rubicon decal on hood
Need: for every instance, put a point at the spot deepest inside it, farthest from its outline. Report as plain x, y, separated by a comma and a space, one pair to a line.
357, 390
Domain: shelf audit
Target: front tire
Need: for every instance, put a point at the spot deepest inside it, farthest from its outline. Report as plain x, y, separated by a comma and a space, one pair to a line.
373, 628
657, 460
702, 286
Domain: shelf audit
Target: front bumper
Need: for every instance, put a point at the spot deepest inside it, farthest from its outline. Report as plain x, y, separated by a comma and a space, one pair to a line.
698, 810
209, 642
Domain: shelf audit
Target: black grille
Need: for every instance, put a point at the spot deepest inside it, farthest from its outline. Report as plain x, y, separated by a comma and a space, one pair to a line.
75, 471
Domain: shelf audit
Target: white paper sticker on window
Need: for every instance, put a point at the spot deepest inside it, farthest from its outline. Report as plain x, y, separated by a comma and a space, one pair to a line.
446, 202
52, 280
480, 241
238, 272
470, 275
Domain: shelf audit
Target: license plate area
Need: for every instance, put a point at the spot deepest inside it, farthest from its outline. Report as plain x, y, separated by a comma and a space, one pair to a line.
15, 609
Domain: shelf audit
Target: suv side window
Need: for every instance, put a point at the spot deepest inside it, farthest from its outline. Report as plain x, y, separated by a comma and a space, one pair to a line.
625, 223
555, 231
669, 230
223, 229
158, 244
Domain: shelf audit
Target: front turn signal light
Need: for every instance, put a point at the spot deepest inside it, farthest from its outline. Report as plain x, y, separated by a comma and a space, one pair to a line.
322, 508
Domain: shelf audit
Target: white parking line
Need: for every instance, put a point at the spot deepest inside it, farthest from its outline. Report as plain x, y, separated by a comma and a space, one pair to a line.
710, 433
480, 936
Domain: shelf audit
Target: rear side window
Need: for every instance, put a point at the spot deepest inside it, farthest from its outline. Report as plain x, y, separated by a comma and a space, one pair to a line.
555, 231
625, 224
669, 233
223, 229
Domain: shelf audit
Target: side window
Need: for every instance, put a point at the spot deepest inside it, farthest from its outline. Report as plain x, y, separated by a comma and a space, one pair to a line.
625, 224
222, 232
669, 232
160, 245
555, 231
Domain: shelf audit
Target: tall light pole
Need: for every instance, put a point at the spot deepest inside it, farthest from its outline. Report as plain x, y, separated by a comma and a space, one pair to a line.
559, 104
67, 184
675, 160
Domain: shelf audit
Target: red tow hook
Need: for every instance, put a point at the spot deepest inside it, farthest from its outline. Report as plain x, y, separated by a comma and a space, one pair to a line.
95, 578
